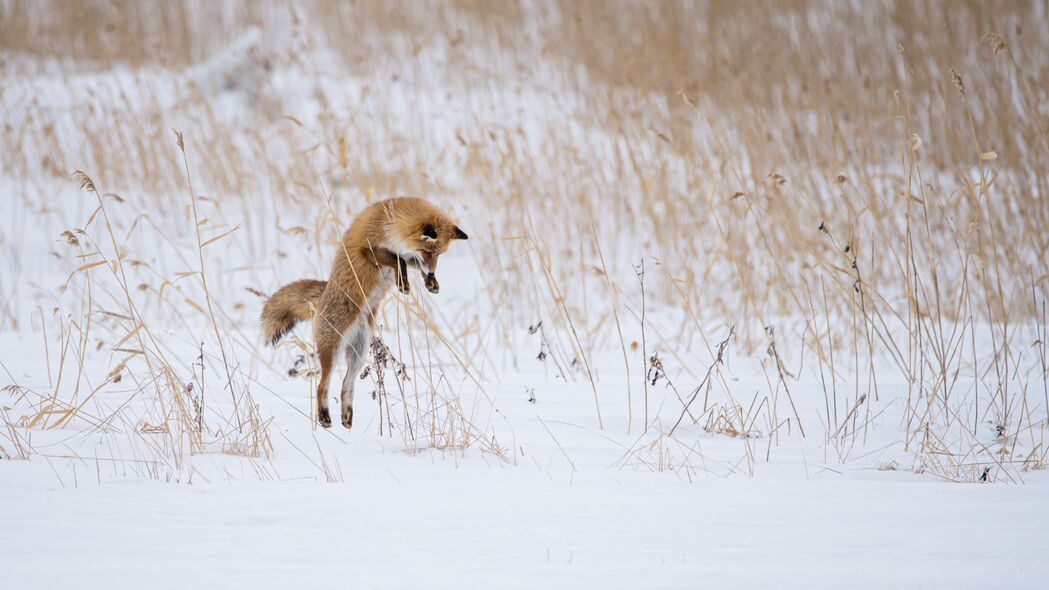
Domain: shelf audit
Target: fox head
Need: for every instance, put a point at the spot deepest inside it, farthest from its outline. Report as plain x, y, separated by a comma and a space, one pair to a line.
429, 239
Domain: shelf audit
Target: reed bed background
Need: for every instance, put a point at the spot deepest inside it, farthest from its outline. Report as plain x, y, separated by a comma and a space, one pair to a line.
849, 195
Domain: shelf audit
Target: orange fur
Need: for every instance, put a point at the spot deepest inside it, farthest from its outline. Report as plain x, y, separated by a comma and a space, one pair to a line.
289, 306
374, 253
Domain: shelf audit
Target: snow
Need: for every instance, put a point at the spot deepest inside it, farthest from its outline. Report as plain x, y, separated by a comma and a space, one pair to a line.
562, 510
493, 459
399, 522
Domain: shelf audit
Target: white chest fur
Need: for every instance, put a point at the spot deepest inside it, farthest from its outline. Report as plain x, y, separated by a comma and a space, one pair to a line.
358, 333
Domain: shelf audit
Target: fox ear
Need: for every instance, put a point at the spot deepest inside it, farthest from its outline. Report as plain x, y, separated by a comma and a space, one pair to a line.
429, 233
460, 234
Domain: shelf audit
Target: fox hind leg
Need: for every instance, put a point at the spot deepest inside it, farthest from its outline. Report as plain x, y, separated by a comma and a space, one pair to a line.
356, 343
327, 359
326, 340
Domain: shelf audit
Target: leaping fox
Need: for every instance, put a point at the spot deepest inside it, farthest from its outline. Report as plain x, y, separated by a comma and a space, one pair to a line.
375, 253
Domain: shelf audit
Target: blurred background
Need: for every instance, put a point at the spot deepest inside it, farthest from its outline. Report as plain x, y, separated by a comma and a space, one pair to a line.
713, 136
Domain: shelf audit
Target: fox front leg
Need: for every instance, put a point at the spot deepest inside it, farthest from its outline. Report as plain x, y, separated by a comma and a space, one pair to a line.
401, 271
386, 257
430, 280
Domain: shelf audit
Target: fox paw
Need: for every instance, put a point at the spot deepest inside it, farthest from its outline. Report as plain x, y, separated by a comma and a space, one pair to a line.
402, 283
347, 417
431, 283
323, 418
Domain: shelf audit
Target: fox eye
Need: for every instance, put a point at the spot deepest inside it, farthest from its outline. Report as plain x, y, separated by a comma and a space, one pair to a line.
429, 233
460, 234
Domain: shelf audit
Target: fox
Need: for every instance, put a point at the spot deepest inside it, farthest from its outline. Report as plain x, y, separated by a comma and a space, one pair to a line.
374, 254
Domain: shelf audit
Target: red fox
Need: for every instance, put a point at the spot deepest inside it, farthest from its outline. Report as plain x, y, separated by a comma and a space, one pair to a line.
375, 253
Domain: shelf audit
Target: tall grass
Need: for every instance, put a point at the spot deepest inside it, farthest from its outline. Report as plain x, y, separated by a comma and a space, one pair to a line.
857, 189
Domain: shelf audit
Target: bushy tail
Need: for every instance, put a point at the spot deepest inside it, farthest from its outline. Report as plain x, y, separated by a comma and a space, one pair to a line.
289, 306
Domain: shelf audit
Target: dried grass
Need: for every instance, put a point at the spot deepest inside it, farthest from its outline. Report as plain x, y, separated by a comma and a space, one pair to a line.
879, 171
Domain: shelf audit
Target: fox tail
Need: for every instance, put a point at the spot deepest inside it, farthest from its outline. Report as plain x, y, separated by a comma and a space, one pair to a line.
290, 305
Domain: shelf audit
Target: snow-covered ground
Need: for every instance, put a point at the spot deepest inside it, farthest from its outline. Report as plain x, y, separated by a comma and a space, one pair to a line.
567, 505
559, 415
409, 522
